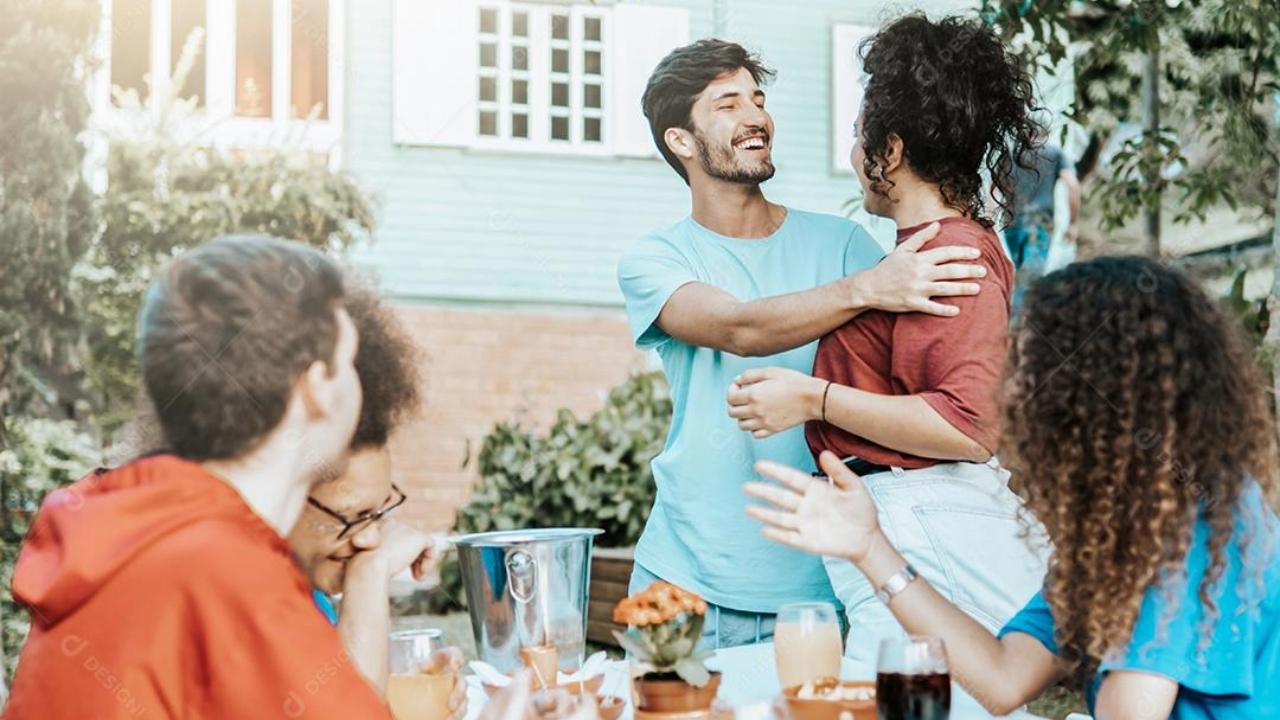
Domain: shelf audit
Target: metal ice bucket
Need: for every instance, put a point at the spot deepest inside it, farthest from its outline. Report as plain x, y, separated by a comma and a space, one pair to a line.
527, 588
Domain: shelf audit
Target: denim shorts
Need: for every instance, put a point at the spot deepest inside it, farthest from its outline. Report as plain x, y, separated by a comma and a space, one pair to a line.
964, 531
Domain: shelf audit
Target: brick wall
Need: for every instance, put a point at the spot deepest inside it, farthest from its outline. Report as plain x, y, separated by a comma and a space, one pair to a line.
485, 365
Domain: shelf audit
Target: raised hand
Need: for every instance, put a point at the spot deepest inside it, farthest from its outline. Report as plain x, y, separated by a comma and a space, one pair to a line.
836, 518
908, 280
402, 547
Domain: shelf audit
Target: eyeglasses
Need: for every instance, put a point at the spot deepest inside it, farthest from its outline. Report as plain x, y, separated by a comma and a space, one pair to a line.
365, 520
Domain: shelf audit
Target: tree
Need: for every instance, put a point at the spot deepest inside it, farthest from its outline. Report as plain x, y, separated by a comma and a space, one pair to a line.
1220, 74
76, 266
46, 208
1212, 67
168, 190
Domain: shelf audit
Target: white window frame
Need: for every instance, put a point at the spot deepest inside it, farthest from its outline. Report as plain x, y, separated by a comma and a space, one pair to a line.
845, 103
540, 77
216, 122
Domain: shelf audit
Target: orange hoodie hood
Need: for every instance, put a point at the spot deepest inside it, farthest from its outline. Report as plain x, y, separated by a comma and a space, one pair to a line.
85, 533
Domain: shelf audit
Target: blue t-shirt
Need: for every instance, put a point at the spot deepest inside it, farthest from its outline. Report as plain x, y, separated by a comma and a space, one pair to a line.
698, 535
325, 605
1237, 673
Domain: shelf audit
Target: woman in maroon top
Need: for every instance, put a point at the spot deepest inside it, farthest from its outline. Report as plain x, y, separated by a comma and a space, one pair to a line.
910, 400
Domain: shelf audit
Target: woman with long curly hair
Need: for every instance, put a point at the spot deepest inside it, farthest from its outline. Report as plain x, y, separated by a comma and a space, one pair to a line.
1142, 437
909, 401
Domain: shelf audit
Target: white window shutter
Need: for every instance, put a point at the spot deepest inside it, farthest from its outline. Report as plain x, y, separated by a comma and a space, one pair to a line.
846, 92
642, 36
434, 57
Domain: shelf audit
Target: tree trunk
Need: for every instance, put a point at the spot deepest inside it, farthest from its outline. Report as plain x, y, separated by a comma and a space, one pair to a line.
1151, 125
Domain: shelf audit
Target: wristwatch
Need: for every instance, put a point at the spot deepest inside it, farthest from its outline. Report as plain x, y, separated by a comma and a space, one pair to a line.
897, 583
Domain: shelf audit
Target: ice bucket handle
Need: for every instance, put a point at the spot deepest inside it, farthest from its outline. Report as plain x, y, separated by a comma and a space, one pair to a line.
522, 571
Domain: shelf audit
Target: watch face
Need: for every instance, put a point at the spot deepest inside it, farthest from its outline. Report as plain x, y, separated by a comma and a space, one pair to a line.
897, 583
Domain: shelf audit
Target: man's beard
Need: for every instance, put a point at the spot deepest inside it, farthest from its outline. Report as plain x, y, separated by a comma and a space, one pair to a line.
721, 163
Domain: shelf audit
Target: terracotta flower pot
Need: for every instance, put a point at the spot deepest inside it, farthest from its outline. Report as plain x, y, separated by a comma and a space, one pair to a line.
668, 693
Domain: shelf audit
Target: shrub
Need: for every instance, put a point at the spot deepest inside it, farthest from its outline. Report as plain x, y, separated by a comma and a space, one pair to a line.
168, 190
42, 456
582, 473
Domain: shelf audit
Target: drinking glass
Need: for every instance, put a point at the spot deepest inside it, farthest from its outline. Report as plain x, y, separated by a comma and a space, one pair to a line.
806, 643
913, 680
413, 691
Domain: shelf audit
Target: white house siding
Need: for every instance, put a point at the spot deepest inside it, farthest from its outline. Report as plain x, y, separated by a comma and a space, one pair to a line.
508, 227
503, 263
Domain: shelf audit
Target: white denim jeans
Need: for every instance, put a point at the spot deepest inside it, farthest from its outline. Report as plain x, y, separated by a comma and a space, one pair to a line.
964, 531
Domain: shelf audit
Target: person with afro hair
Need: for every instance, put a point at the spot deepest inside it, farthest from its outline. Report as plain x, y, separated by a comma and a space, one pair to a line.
347, 541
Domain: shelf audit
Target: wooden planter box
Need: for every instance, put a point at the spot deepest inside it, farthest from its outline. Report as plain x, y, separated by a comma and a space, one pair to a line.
610, 575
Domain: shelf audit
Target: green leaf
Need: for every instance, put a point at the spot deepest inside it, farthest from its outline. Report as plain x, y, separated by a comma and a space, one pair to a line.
693, 672
681, 647
632, 646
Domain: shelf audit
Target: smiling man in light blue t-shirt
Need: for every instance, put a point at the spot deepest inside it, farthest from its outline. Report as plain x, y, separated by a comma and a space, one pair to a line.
741, 283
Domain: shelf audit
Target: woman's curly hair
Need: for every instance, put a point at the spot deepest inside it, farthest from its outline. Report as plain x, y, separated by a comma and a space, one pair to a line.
959, 100
387, 361
1134, 406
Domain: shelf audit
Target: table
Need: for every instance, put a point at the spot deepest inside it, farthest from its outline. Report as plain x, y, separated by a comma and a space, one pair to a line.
751, 679
750, 683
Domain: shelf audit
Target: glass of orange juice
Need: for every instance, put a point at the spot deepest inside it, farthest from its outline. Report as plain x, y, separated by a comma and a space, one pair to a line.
413, 692
806, 643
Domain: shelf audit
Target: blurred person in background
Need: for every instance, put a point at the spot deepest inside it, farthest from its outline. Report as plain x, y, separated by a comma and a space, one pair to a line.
1031, 233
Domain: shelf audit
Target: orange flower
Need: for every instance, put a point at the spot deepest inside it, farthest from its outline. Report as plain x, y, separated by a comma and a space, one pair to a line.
659, 603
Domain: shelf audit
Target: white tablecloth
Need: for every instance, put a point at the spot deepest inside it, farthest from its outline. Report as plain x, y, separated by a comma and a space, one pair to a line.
750, 682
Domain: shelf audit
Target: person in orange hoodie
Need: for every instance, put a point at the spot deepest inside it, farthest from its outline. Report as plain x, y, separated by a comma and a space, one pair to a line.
165, 588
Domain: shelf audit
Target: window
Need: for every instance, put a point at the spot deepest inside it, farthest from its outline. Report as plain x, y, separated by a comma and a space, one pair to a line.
134, 51
528, 75
131, 32
187, 17
490, 73
540, 74
846, 94
262, 65
309, 36
253, 59
592, 79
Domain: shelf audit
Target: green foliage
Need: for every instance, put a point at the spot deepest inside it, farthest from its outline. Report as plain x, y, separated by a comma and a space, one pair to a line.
583, 473
46, 208
1253, 314
167, 192
42, 455
1218, 80
669, 647
1254, 318
1058, 702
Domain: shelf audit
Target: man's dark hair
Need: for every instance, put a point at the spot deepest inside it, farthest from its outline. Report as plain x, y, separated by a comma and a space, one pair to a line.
227, 329
387, 364
960, 101
681, 77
